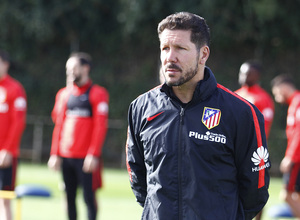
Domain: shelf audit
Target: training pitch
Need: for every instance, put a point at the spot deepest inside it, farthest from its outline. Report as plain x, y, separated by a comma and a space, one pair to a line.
116, 200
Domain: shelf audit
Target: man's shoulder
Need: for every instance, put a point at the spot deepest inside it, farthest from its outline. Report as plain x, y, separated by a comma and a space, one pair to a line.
99, 89
230, 95
262, 91
239, 90
12, 82
14, 87
296, 99
235, 102
297, 95
98, 94
150, 94
146, 103
62, 91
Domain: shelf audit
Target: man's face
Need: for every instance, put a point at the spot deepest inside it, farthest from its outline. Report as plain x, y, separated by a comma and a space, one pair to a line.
179, 56
279, 93
4, 65
247, 75
73, 70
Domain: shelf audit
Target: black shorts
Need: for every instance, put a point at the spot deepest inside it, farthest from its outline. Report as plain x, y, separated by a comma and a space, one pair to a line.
292, 179
8, 176
72, 173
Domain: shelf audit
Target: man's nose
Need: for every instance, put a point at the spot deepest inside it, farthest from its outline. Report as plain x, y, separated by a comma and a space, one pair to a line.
171, 56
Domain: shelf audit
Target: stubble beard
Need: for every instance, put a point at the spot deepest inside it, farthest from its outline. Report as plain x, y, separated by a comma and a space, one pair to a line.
187, 76
77, 80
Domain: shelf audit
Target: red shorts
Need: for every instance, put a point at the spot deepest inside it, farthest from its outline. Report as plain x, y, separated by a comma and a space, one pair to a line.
292, 179
8, 176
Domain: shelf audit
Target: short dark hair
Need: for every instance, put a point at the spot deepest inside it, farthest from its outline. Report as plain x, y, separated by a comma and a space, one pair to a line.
84, 58
4, 56
200, 33
255, 64
283, 79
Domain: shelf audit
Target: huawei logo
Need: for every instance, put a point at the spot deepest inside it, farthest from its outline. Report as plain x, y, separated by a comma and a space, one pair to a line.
261, 154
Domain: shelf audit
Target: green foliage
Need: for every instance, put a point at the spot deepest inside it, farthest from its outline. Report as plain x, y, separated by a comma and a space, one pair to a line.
121, 36
122, 39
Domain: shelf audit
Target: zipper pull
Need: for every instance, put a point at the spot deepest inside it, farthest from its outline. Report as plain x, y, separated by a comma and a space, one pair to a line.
181, 115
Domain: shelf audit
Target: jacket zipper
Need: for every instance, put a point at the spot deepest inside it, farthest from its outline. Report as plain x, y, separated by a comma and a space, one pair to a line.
180, 214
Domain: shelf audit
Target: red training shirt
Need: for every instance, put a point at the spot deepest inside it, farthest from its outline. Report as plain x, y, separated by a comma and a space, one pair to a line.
293, 128
262, 100
76, 136
13, 106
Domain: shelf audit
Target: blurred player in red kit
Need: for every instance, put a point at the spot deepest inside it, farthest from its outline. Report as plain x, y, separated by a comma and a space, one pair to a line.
80, 115
13, 107
249, 77
285, 92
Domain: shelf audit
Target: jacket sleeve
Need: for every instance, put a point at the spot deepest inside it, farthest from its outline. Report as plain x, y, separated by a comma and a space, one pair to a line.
99, 99
252, 161
135, 160
18, 107
268, 113
58, 116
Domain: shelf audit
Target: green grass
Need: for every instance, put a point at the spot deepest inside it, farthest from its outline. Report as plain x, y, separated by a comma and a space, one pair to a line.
116, 200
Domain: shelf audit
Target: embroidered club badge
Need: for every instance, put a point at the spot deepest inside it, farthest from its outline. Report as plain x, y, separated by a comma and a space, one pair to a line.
211, 117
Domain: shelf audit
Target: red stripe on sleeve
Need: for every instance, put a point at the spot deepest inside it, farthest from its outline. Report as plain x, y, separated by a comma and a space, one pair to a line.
261, 177
127, 163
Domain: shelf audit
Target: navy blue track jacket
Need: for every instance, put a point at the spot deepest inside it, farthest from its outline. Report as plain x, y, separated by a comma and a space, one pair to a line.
205, 160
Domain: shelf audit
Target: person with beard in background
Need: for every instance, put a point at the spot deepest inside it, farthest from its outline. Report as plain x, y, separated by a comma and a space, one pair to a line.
286, 93
249, 76
13, 107
80, 115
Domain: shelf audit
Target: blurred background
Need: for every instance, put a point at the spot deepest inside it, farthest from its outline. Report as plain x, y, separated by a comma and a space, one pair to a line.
121, 36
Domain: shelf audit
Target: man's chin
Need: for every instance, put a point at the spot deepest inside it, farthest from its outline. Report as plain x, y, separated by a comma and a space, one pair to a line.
170, 84
173, 83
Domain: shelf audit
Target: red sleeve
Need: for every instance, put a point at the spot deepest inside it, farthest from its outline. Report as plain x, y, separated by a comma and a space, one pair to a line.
99, 100
293, 134
18, 107
55, 109
267, 110
58, 117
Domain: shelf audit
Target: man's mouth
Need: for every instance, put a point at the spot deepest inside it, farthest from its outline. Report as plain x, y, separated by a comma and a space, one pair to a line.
172, 68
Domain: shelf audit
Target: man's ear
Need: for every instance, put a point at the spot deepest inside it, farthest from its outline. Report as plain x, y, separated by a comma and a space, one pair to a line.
204, 54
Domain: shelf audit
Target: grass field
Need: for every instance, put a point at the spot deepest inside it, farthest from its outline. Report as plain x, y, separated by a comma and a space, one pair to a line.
116, 200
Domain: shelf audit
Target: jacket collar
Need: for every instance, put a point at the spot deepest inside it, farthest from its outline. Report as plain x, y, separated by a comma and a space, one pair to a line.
204, 89
76, 90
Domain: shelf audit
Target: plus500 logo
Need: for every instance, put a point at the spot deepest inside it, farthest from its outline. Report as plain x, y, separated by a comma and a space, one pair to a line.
208, 136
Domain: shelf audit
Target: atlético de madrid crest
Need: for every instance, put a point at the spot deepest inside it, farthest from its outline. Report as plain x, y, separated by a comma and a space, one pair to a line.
211, 117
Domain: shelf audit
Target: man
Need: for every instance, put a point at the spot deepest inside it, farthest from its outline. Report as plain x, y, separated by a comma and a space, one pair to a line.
12, 123
195, 150
80, 114
249, 77
285, 92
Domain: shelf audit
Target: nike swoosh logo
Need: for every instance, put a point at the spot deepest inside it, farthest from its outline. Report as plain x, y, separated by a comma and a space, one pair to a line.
154, 116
